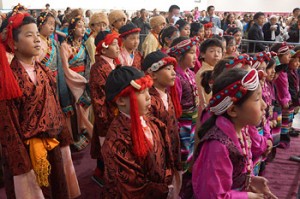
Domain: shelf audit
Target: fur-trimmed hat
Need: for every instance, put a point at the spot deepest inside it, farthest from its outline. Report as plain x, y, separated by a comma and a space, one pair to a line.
128, 29
98, 17
115, 15
125, 81
157, 20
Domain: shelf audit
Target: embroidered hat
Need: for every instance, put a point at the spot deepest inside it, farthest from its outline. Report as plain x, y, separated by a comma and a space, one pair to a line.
9, 87
128, 29
281, 48
157, 21
116, 15
183, 46
231, 94
98, 17
125, 81
262, 57
154, 62
240, 61
104, 39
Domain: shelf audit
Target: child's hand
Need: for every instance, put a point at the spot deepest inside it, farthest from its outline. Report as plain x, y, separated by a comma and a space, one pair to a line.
252, 195
260, 185
269, 149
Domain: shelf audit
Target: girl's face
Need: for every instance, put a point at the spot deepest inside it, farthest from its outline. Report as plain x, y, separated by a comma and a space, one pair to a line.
231, 47
79, 29
207, 32
189, 58
131, 42
294, 64
252, 110
238, 38
201, 34
97, 27
48, 27
113, 50
212, 55
165, 77
285, 58
29, 42
144, 101
270, 73
231, 18
185, 32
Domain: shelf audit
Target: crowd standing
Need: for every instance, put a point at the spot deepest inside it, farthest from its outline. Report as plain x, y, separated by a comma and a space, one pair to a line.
172, 105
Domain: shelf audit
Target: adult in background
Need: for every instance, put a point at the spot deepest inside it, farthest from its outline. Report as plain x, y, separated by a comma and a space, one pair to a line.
212, 17
173, 14
293, 19
256, 33
294, 31
143, 24
271, 29
202, 15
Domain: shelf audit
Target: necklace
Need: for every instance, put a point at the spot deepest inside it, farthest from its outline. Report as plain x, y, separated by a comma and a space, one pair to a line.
48, 52
246, 149
76, 46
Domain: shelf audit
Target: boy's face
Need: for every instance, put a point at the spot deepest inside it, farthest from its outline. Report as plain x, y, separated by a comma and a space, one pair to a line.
113, 50
79, 29
119, 23
165, 77
131, 42
144, 101
212, 55
100, 26
48, 27
29, 41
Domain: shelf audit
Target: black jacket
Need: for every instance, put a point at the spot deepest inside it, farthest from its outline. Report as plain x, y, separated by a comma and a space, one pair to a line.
255, 33
294, 33
267, 32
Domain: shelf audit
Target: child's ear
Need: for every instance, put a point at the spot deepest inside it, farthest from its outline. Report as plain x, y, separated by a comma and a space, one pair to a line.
232, 111
121, 101
103, 51
153, 76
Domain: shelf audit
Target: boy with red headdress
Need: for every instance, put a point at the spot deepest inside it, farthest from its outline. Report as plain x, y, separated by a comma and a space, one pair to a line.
136, 150
32, 122
129, 56
107, 52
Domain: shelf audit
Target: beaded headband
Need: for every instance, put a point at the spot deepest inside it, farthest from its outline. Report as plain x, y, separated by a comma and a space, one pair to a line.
163, 62
261, 57
240, 61
222, 100
183, 46
77, 18
43, 16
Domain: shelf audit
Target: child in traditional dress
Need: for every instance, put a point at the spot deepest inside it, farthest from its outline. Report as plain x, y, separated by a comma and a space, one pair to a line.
282, 90
107, 53
236, 33
207, 29
151, 42
136, 151
32, 124
184, 50
197, 30
117, 19
211, 52
129, 55
98, 22
166, 37
184, 28
165, 104
76, 66
236, 102
230, 46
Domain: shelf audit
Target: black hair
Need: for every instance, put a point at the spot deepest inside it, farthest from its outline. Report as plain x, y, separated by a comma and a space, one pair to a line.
233, 30
195, 28
295, 10
297, 48
275, 47
47, 5
228, 39
209, 43
218, 37
181, 23
270, 63
173, 7
213, 74
27, 20
209, 7
166, 33
257, 15
225, 79
40, 21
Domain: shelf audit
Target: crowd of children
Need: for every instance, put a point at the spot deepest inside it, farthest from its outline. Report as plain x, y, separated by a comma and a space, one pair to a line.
188, 117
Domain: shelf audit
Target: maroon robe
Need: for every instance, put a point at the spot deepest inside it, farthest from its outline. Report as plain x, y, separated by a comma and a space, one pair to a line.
104, 111
168, 117
36, 114
125, 175
137, 60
